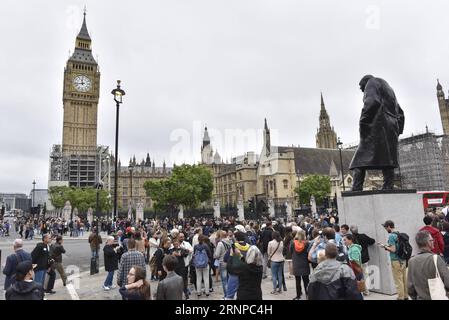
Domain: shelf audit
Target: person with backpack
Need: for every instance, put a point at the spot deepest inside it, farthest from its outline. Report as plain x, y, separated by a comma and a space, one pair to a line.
300, 268
233, 278
398, 247
202, 257
248, 268
223, 246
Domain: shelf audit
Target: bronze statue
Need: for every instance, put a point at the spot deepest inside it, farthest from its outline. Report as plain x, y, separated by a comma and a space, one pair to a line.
381, 123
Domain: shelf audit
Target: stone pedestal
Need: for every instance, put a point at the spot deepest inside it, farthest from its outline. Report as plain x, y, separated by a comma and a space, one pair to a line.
288, 209
139, 211
368, 210
181, 213
241, 210
271, 211
217, 210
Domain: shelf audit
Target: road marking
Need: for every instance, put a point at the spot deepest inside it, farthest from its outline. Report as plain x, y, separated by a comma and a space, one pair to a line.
72, 292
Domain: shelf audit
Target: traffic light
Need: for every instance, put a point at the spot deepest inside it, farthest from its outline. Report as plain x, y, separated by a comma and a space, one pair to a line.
251, 204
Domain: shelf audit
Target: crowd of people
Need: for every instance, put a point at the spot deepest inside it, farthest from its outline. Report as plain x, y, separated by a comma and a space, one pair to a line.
326, 259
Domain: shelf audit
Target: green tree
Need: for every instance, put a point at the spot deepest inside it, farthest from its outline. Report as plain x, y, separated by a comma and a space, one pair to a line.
317, 185
80, 198
189, 185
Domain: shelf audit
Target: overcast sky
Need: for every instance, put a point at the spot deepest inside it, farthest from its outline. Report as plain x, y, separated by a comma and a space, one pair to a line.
227, 64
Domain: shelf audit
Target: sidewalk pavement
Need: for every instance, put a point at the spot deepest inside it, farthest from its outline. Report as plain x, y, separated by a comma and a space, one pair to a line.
38, 237
91, 288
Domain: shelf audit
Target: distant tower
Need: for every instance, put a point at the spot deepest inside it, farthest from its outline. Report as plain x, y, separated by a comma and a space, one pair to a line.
443, 103
207, 154
326, 138
266, 139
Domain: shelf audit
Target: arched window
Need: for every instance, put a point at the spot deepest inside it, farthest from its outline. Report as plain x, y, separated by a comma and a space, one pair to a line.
285, 182
271, 185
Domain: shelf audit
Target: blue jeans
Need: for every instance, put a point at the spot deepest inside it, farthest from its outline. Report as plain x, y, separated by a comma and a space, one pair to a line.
276, 274
224, 279
94, 253
109, 278
39, 276
233, 285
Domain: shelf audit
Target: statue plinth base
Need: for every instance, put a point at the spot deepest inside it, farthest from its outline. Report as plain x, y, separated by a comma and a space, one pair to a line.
369, 210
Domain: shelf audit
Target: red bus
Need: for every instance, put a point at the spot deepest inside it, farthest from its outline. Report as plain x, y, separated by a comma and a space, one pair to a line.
434, 199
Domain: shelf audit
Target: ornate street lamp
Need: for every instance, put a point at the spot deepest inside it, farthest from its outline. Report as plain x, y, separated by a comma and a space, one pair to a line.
339, 145
118, 98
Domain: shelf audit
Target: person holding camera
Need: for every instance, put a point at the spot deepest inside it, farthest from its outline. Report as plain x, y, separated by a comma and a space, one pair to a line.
110, 261
56, 254
41, 257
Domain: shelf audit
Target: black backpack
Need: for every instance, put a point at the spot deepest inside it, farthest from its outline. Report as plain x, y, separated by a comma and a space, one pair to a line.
404, 249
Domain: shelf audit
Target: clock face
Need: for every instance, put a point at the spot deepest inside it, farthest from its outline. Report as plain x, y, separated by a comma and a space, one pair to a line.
82, 83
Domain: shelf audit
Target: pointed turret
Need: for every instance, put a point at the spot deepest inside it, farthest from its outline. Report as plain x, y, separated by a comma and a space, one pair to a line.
84, 33
326, 138
444, 108
266, 139
206, 138
83, 46
148, 161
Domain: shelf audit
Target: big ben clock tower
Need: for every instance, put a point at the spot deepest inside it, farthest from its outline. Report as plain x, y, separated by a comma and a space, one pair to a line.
80, 97
79, 161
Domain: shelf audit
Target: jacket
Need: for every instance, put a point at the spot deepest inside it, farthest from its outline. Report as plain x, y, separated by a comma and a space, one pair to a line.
171, 288
446, 247
265, 238
10, 266
56, 252
381, 123
355, 253
95, 241
133, 294
41, 256
110, 258
274, 254
300, 262
438, 245
250, 278
25, 290
365, 241
332, 280
421, 268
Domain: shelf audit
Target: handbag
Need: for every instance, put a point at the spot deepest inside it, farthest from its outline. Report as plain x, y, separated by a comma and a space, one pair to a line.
436, 285
269, 259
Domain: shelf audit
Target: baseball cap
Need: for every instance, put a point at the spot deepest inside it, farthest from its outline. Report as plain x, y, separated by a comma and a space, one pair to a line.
388, 223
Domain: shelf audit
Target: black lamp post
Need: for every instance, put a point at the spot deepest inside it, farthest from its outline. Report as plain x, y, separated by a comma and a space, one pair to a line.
339, 145
118, 96
299, 185
131, 168
98, 186
32, 202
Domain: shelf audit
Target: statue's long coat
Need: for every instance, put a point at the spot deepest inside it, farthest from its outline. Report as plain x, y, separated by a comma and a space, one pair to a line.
381, 123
